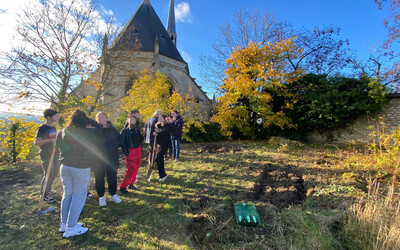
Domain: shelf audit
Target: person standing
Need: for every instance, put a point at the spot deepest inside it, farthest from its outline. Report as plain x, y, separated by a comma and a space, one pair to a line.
77, 150
132, 148
45, 139
176, 135
108, 160
136, 113
148, 131
163, 130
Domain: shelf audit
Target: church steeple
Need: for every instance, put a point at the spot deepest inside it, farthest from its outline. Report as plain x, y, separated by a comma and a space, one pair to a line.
171, 22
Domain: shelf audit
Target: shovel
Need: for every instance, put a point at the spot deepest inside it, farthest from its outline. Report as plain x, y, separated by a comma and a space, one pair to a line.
151, 166
49, 209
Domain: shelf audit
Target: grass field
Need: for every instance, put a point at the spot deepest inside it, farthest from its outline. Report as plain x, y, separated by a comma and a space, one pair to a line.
304, 194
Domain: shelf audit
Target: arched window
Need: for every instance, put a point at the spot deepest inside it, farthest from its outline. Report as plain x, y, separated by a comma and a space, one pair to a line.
172, 85
129, 83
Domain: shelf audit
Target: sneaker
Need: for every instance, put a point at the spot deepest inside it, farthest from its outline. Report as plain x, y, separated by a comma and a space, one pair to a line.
48, 199
74, 231
123, 191
115, 199
102, 201
131, 186
89, 194
63, 227
164, 178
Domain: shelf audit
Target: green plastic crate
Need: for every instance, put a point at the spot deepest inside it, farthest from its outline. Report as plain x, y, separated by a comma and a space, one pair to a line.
246, 214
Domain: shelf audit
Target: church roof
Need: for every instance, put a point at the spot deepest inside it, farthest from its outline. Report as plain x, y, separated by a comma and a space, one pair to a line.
145, 25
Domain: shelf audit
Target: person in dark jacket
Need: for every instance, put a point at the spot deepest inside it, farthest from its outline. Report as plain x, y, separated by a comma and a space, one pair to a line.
163, 130
132, 147
176, 136
77, 152
136, 113
108, 162
148, 131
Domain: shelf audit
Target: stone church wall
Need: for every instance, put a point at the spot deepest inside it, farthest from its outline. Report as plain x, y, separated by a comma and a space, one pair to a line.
361, 129
173, 69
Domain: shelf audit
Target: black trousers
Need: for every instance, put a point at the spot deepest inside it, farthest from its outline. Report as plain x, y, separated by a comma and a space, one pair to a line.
105, 171
53, 171
160, 161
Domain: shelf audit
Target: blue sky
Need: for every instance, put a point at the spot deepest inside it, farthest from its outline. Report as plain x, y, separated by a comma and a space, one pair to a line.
198, 21
360, 20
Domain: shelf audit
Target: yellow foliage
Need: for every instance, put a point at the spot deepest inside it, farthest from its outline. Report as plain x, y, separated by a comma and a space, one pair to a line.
24, 136
152, 92
252, 76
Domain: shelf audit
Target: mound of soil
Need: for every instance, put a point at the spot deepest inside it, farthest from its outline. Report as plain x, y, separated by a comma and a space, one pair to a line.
281, 186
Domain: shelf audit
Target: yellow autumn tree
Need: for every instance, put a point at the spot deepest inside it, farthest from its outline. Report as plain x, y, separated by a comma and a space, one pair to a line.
18, 132
153, 91
254, 75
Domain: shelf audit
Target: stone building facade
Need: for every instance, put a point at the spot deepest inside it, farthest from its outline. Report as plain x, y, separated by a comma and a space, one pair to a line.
361, 129
144, 43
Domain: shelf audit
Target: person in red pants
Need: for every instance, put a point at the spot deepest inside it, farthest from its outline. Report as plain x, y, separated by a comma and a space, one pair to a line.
132, 147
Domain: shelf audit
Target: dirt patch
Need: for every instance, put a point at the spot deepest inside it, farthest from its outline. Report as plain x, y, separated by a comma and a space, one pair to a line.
281, 186
19, 175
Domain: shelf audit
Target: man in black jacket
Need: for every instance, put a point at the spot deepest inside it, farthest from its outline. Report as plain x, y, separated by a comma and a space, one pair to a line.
163, 130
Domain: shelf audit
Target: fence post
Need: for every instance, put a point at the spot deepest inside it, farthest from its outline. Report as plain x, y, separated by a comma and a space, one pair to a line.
13, 130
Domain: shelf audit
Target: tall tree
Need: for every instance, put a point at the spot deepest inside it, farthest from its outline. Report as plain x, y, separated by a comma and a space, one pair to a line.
392, 23
385, 57
324, 51
55, 51
152, 91
245, 26
254, 75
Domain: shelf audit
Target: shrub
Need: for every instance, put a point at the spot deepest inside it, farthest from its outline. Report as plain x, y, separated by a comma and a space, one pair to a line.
201, 132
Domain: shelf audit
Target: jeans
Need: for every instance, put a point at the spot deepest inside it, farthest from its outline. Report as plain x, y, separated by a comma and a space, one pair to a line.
75, 182
175, 145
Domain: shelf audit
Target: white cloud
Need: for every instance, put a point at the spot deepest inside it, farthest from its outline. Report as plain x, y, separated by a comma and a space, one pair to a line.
185, 56
182, 13
105, 11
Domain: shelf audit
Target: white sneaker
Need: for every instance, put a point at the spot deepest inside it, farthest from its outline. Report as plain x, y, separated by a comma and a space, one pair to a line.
74, 231
115, 199
102, 201
63, 227
164, 178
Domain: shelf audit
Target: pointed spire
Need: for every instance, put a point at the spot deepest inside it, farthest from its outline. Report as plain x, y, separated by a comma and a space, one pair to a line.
171, 22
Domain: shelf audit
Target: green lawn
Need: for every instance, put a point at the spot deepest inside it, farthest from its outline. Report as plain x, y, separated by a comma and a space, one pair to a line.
193, 208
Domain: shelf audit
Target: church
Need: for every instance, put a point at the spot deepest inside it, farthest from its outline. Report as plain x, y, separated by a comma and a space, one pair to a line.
144, 43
